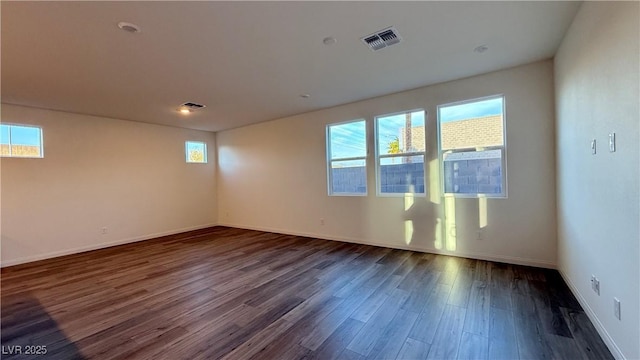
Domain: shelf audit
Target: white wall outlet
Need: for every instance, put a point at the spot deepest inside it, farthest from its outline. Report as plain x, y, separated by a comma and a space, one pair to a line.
616, 308
104, 231
479, 235
321, 221
595, 284
612, 142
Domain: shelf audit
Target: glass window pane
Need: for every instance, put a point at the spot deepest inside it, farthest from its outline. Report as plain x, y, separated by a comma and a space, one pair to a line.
25, 141
348, 140
4, 134
402, 174
472, 124
348, 177
25, 135
4, 140
473, 172
394, 139
196, 152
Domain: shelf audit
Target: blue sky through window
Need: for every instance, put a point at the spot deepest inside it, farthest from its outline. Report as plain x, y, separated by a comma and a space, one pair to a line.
471, 110
389, 128
348, 140
20, 135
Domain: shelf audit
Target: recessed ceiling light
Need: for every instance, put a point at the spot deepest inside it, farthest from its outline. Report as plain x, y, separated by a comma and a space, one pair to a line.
305, 96
129, 27
480, 49
329, 40
185, 111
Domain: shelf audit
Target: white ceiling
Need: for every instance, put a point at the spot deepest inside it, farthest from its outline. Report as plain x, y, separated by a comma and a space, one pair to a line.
250, 61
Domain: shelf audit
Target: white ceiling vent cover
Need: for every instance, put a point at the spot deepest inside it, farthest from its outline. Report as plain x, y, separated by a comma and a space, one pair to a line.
381, 39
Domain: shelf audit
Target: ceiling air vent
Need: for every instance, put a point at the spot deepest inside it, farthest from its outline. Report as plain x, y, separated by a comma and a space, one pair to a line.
382, 39
192, 106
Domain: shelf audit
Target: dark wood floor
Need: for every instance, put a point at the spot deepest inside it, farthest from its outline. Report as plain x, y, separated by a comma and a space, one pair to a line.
225, 293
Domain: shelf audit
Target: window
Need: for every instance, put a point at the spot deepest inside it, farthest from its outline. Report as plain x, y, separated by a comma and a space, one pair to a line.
347, 158
196, 151
23, 141
472, 147
400, 153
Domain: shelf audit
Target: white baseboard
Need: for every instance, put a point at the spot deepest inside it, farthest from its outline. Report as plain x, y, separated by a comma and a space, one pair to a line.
608, 340
54, 254
479, 256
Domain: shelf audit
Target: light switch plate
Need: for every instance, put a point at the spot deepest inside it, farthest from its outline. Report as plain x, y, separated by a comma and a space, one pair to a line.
612, 142
593, 146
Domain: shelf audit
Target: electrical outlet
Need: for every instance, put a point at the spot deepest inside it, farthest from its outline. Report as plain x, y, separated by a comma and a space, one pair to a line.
479, 235
321, 221
616, 308
104, 231
595, 284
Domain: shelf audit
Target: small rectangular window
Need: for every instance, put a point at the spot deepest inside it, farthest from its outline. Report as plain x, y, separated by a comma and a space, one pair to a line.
347, 158
472, 147
401, 144
24, 141
196, 151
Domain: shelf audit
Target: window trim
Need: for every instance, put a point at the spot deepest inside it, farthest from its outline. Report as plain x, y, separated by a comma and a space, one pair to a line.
378, 156
186, 152
41, 145
503, 148
329, 160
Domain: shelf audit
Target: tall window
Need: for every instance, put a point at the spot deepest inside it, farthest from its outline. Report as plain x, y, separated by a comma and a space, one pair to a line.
346, 158
472, 147
196, 151
23, 141
401, 148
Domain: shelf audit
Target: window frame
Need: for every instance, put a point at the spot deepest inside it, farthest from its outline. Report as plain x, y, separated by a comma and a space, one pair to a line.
41, 145
186, 152
364, 158
502, 148
379, 156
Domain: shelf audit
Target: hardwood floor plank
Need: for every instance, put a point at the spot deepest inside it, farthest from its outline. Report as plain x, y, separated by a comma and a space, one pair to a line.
413, 349
477, 318
502, 335
473, 347
390, 342
530, 335
446, 341
425, 327
373, 329
335, 344
585, 335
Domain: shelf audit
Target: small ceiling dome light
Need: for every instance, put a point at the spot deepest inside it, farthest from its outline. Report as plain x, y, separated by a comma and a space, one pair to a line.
305, 96
185, 111
480, 49
129, 27
329, 40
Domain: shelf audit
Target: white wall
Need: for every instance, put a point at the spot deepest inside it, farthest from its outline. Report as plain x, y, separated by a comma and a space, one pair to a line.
129, 177
272, 176
596, 75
